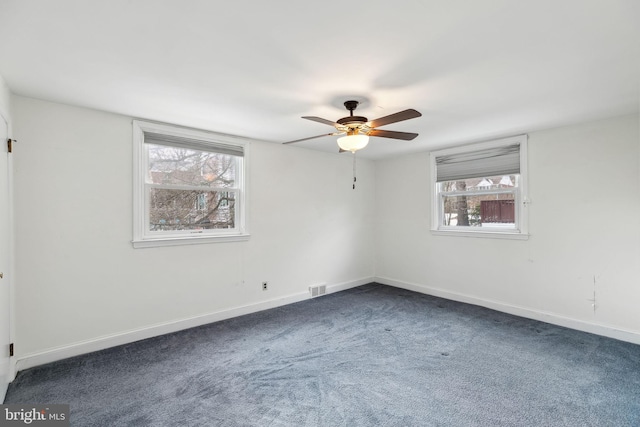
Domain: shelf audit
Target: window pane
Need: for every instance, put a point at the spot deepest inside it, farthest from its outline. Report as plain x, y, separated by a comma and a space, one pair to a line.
483, 183
182, 166
173, 210
490, 210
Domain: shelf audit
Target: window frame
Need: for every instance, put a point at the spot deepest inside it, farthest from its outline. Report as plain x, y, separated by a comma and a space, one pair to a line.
520, 232
142, 237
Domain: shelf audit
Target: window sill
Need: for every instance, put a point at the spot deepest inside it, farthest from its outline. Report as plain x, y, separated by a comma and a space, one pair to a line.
482, 234
181, 241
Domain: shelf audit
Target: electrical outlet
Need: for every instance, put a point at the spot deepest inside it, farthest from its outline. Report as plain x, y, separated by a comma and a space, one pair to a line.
264, 286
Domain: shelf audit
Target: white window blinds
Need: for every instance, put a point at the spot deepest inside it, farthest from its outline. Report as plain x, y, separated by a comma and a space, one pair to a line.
495, 161
194, 144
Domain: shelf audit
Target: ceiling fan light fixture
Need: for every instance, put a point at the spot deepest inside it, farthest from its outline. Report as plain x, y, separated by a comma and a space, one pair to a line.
353, 143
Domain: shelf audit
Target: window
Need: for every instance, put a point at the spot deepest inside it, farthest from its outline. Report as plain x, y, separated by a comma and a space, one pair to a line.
480, 189
189, 186
201, 202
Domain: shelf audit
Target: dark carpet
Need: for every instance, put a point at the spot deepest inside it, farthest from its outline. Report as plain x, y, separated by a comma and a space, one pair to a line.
370, 356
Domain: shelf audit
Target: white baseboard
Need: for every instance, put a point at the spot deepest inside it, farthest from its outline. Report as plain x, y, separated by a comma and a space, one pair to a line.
338, 287
553, 318
101, 343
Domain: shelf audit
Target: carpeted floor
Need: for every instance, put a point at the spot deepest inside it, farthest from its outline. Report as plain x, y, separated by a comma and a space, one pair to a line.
369, 356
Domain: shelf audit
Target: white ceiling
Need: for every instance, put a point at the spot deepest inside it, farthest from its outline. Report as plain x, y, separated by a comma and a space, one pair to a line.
475, 69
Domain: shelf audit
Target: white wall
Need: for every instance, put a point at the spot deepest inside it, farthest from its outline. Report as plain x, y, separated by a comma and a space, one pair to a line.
5, 99
81, 286
79, 279
583, 222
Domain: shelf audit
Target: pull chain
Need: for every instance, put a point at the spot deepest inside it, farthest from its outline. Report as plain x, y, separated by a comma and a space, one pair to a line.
354, 170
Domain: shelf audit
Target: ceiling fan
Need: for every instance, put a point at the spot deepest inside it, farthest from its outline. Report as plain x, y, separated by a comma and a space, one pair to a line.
358, 129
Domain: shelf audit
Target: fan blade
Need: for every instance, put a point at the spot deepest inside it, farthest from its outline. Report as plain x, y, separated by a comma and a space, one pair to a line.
320, 120
311, 137
392, 134
394, 118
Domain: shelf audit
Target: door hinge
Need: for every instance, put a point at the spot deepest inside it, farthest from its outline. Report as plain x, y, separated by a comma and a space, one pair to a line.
11, 350
10, 145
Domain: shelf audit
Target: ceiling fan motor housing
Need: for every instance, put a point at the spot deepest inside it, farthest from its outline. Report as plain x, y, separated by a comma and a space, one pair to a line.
352, 120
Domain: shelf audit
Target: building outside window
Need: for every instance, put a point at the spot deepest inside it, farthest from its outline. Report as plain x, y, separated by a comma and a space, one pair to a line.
479, 190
